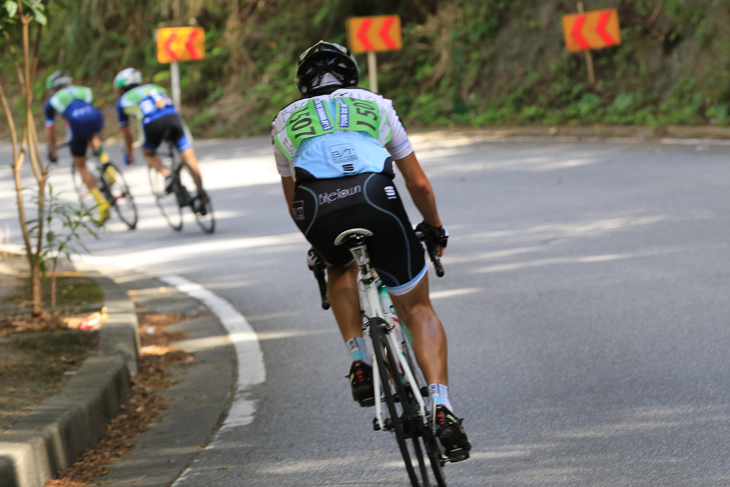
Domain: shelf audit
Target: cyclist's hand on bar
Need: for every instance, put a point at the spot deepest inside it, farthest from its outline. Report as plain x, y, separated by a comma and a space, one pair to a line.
434, 236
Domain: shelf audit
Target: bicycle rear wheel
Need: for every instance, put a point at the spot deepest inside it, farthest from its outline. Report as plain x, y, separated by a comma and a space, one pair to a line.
203, 212
400, 421
119, 196
167, 202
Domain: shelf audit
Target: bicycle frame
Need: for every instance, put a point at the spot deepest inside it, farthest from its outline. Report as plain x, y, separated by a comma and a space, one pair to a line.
371, 286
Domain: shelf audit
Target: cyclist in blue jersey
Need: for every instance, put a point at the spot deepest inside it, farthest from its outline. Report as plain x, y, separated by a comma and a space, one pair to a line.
158, 120
335, 148
84, 123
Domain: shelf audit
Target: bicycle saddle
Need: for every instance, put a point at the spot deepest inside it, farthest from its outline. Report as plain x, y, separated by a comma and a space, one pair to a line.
356, 234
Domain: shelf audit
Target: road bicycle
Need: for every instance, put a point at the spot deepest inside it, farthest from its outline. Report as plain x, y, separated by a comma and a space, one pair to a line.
112, 185
397, 380
172, 200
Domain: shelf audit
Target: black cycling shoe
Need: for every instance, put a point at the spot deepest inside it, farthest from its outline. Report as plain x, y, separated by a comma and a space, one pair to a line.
454, 443
201, 204
361, 381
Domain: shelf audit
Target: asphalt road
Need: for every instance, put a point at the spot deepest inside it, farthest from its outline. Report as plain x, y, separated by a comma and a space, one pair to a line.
585, 301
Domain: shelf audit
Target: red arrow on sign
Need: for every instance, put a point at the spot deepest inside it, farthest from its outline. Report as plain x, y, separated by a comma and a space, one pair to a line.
591, 30
168, 47
385, 33
577, 27
362, 35
189, 45
601, 28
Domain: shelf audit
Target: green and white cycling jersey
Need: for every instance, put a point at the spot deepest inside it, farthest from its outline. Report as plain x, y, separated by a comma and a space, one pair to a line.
347, 132
72, 102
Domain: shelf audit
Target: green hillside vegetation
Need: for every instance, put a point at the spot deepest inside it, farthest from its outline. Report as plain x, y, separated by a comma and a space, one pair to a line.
464, 63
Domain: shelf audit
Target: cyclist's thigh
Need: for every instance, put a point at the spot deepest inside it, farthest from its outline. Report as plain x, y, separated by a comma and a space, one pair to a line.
178, 135
394, 249
159, 129
82, 131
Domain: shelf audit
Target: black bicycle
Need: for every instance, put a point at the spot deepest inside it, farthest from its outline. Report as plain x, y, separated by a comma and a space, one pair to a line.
183, 193
112, 185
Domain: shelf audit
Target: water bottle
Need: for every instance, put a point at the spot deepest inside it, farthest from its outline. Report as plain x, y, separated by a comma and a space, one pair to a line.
391, 316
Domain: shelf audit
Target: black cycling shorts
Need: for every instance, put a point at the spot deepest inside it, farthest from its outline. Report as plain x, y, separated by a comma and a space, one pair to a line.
82, 129
324, 208
168, 127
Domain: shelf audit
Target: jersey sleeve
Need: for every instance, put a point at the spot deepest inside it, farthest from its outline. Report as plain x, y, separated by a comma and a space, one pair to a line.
122, 115
282, 162
399, 145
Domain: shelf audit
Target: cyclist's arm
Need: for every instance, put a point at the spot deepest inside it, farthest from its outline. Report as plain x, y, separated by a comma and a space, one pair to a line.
287, 183
128, 143
50, 115
420, 190
52, 143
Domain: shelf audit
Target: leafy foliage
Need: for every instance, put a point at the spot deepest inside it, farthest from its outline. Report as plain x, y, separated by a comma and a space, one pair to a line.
462, 63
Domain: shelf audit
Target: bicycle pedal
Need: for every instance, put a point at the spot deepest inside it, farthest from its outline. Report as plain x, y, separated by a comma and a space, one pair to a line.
376, 425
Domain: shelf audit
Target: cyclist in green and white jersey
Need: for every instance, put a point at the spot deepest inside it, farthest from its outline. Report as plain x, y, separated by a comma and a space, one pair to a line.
335, 149
84, 123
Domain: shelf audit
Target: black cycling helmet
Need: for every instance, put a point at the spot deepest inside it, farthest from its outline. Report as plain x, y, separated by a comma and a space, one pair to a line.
322, 59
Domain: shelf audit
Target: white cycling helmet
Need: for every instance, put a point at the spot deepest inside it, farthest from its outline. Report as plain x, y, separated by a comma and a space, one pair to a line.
58, 79
127, 78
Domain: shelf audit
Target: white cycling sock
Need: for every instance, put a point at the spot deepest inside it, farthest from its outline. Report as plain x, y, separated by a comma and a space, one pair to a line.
358, 350
439, 394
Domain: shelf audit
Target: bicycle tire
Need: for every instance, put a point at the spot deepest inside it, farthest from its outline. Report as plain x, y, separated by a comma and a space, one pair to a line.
411, 417
426, 435
203, 215
435, 458
120, 197
166, 202
381, 347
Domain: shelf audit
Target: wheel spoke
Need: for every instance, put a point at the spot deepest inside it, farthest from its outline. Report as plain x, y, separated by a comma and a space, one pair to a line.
166, 202
122, 200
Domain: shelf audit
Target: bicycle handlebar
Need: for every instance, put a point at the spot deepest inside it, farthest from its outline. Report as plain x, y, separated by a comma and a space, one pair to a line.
317, 266
322, 281
432, 254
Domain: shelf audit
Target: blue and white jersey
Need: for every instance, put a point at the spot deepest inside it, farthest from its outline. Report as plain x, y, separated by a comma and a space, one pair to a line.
145, 103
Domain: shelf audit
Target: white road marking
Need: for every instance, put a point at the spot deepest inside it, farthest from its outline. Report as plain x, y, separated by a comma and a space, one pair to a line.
251, 368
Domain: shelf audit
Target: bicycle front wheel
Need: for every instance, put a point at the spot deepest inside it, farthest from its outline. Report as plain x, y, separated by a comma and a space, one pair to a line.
400, 421
427, 435
200, 203
86, 199
166, 201
119, 195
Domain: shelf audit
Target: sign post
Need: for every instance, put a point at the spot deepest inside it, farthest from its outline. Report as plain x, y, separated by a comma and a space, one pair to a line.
596, 29
371, 35
177, 44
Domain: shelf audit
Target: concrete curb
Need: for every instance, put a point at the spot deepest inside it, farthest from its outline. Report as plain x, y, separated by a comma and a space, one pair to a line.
50, 438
